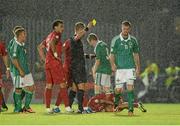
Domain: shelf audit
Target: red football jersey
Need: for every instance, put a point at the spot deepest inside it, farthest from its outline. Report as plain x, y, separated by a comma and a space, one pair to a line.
67, 55
94, 103
3, 52
50, 59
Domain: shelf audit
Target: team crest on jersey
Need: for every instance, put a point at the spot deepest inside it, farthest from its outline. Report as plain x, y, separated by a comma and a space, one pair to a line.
126, 47
14, 54
130, 44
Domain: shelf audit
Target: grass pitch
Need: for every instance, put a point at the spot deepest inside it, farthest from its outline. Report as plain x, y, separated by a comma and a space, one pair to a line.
168, 114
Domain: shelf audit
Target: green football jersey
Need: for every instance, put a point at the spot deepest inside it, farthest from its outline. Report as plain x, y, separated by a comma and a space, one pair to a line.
123, 50
17, 51
102, 53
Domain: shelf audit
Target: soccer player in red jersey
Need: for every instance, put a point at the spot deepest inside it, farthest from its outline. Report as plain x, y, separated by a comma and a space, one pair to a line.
54, 68
3, 54
105, 103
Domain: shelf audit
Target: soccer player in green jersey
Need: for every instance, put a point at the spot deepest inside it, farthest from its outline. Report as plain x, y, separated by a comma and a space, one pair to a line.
20, 73
125, 63
102, 67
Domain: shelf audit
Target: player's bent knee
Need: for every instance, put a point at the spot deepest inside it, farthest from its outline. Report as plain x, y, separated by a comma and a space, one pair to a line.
118, 90
81, 86
130, 87
106, 89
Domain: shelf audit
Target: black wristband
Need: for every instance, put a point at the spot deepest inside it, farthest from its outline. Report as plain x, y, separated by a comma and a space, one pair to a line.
93, 56
86, 29
87, 56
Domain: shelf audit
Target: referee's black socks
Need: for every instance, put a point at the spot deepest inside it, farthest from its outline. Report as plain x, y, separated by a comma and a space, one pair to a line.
80, 95
72, 95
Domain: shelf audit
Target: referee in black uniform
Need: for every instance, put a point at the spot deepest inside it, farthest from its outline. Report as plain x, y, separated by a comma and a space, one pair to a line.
78, 70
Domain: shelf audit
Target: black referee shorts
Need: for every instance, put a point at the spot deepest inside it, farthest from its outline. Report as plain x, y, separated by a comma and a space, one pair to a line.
78, 74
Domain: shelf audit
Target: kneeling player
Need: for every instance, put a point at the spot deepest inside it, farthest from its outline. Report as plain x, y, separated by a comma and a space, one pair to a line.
105, 103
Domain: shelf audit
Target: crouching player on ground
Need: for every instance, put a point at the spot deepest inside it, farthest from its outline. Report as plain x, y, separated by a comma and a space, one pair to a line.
21, 75
105, 103
3, 54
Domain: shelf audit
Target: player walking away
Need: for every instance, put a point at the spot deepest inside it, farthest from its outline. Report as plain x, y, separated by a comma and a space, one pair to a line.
125, 62
105, 103
102, 67
21, 75
54, 67
78, 71
3, 54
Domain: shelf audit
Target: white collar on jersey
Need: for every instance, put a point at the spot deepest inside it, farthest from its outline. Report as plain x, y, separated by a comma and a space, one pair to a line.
96, 45
122, 39
21, 44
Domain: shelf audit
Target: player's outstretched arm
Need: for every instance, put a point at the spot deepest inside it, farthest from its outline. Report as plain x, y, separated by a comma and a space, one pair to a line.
41, 48
106, 102
83, 32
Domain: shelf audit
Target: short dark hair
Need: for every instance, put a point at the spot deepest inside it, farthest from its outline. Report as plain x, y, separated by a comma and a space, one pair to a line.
92, 36
126, 23
56, 23
79, 25
18, 31
15, 28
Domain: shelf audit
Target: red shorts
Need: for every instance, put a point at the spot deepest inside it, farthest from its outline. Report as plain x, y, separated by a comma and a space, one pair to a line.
55, 74
68, 77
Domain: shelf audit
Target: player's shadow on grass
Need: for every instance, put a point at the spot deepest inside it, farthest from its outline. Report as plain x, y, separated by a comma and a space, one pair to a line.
57, 114
122, 115
13, 113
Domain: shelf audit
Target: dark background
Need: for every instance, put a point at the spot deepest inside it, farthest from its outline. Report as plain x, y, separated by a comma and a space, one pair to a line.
156, 24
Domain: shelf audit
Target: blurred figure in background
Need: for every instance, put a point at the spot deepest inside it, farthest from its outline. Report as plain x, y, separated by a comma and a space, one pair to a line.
151, 72
172, 74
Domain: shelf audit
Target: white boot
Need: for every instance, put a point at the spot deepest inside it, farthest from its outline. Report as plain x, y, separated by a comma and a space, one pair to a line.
69, 110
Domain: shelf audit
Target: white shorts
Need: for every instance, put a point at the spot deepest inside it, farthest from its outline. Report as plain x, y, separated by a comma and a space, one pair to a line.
103, 79
20, 82
123, 76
